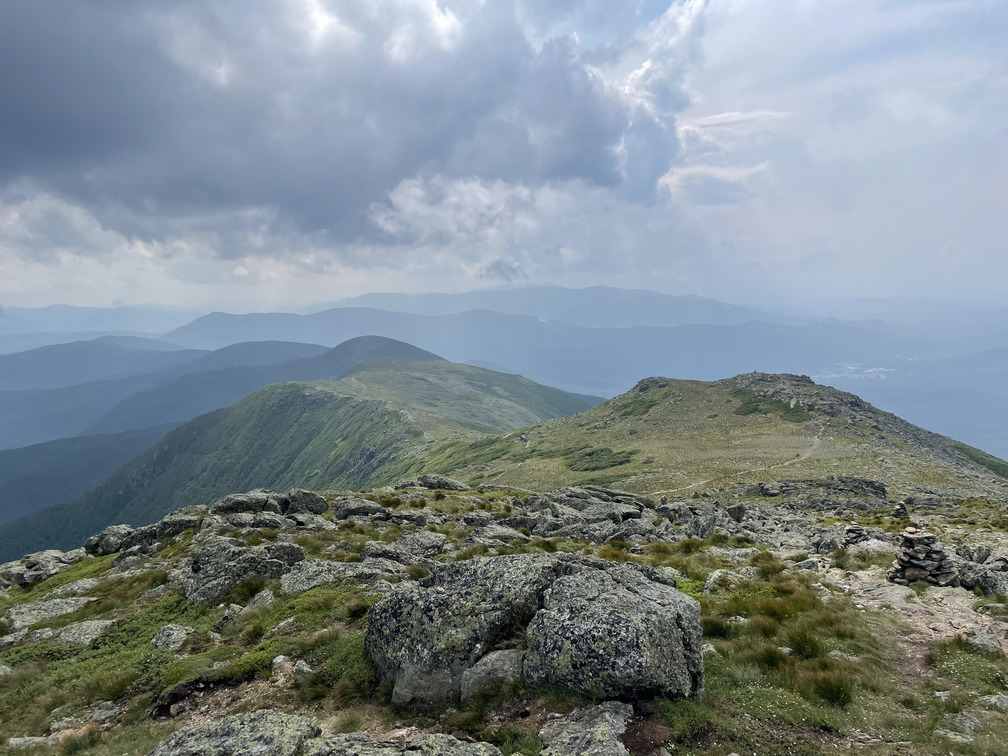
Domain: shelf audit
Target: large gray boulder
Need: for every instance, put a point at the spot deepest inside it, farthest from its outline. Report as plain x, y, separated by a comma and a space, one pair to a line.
109, 541
264, 733
441, 482
360, 744
222, 564
616, 633
23, 616
306, 502
37, 567
593, 626
259, 500
313, 573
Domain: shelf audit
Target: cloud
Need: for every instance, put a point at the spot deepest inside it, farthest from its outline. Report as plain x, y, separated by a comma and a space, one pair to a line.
284, 147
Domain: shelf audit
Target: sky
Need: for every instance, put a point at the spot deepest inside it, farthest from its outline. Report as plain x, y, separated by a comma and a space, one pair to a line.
260, 154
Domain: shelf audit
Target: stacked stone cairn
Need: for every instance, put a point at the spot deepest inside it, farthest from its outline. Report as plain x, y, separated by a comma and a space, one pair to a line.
899, 512
922, 558
853, 534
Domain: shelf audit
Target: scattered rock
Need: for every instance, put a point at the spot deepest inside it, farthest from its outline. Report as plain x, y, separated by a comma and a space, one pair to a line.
995, 701
25, 615
75, 588
588, 732
265, 733
436, 482
82, 633
21, 744
959, 727
361, 744
5, 670
36, 567
315, 572
221, 565
302, 671
109, 541
721, 580
496, 671
171, 637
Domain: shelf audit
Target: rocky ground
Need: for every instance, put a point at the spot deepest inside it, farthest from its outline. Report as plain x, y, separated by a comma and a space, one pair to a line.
782, 617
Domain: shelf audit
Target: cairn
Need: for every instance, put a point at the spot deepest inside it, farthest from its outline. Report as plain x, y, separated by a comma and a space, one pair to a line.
853, 534
922, 558
899, 512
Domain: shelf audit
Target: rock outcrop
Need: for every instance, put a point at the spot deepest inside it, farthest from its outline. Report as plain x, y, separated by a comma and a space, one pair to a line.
588, 625
264, 733
222, 564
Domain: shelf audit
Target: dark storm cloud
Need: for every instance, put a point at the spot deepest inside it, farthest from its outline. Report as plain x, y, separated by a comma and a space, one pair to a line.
184, 117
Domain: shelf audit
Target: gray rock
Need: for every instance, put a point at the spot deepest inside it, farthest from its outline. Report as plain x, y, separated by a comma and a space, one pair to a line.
496, 671
346, 507
109, 541
5, 670
171, 637
252, 502
423, 635
496, 534
736, 511
264, 733
25, 615
721, 580
616, 633
222, 564
261, 600
82, 633
305, 502
21, 744
315, 572
75, 588
441, 482
302, 671
37, 567
413, 548
985, 641
588, 732
272, 521
995, 701
310, 521
963, 723
360, 744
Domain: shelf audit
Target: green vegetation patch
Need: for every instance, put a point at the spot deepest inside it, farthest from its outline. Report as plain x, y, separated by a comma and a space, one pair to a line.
753, 404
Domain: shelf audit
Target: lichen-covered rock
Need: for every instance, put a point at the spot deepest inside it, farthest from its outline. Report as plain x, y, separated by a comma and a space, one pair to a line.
34, 568
496, 671
360, 744
75, 588
422, 637
410, 549
260, 500
441, 482
588, 732
82, 633
301, 501
264, 733
593, 626
315, 572
222, 564
109, 541
346, 507
616, 633
171, 637
25, 615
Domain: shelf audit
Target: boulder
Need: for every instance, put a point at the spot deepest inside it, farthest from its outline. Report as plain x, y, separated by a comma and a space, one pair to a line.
361, 744
37, 567
440, 482
265, 733
82, 633
615, 632
495, 672
222, 564
315, 572
346, 507
596, 627
23, 616
259, 500
171, 637
587, 732
300, 501
109, 541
